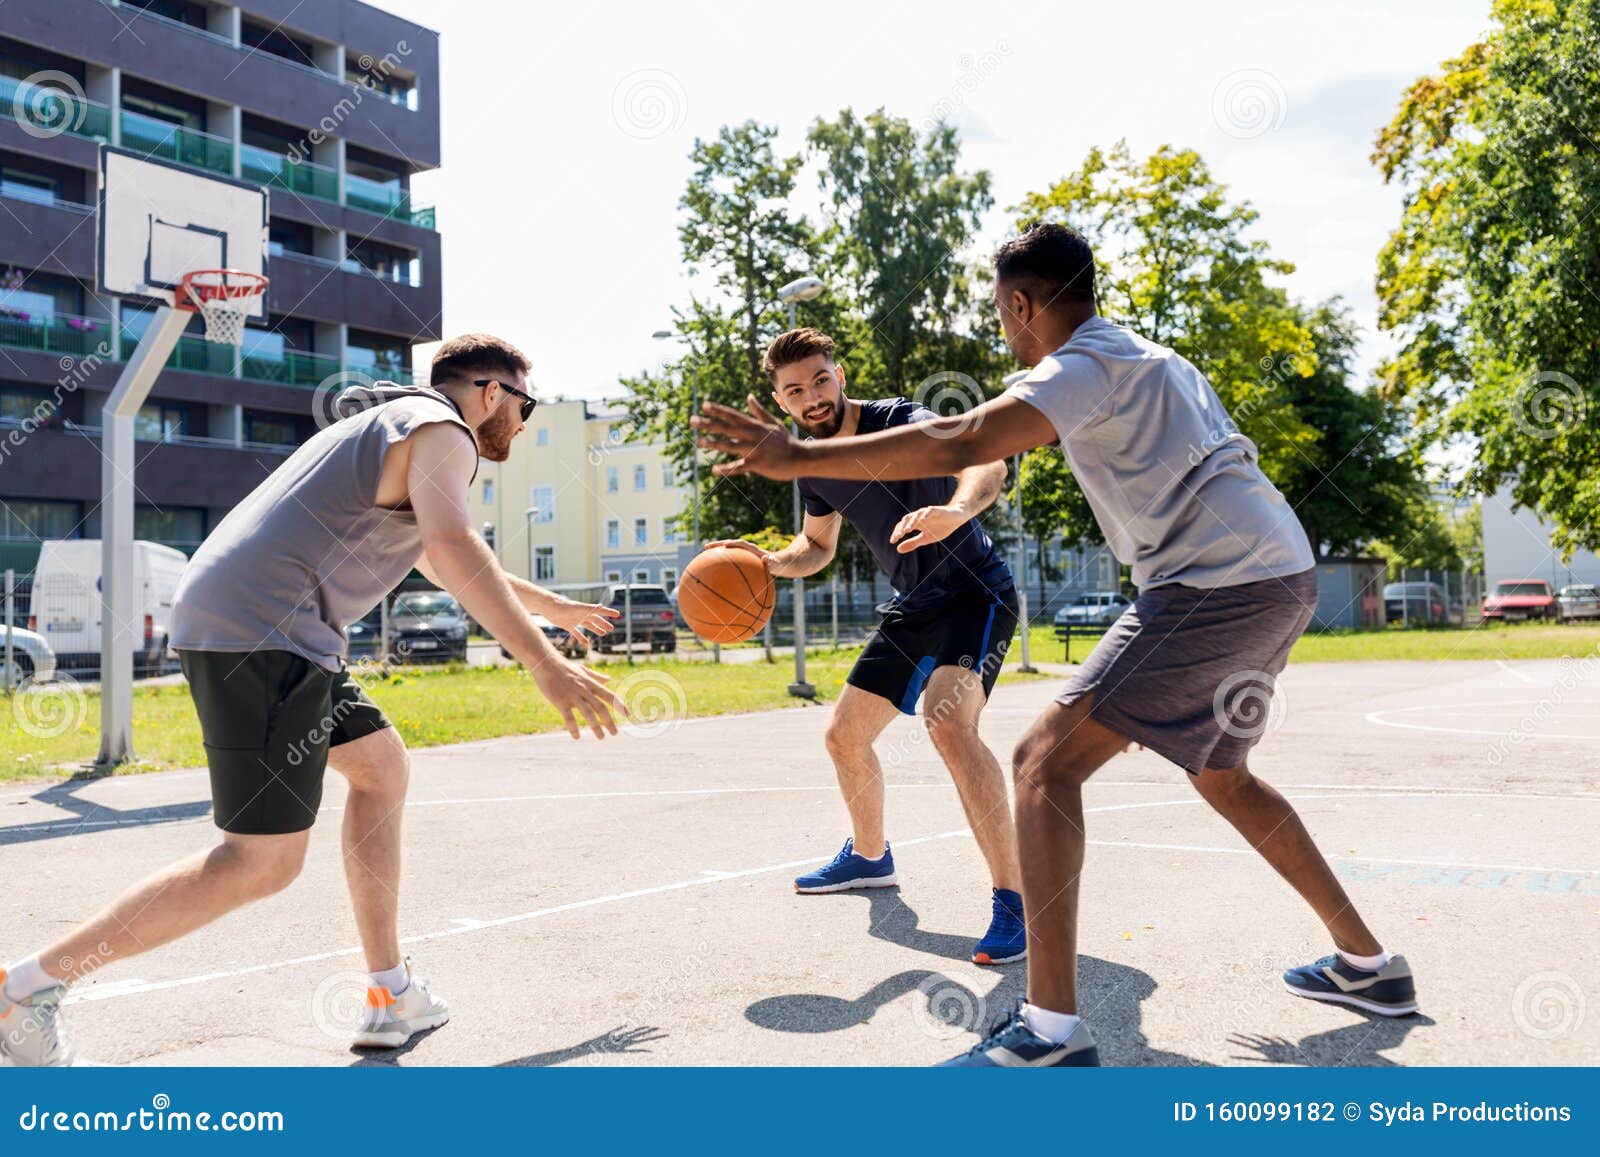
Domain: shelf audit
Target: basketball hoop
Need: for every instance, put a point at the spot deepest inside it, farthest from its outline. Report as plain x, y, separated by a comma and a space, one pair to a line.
223, 298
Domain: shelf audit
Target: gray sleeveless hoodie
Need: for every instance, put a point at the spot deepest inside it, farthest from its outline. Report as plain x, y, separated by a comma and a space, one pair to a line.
308, 551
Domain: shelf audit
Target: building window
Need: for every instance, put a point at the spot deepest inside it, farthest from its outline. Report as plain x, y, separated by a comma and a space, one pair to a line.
641, 531
669, 528
641, 576
541, 436
544, 504
669, 577
488, 491
668, 478
269, 429
638, 478
33, 521
544, 564
613, 534
611, 480
613, 576
172, 525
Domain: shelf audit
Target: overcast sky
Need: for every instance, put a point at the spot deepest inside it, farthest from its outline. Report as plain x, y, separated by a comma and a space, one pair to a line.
567, 130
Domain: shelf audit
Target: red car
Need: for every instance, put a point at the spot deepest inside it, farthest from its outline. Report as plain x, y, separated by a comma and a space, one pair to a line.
1520, 599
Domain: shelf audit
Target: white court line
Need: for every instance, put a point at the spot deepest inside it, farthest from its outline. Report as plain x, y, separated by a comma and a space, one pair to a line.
1504, 666
1479, 709
111, 991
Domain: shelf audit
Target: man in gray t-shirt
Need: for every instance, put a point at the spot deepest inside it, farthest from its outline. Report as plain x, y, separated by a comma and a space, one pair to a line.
1227, 584
258, 621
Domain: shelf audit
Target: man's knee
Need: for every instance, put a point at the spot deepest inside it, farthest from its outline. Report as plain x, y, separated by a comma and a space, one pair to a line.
1042, 759
844, 740
378, 764
269, 864
1221, 787
952, 732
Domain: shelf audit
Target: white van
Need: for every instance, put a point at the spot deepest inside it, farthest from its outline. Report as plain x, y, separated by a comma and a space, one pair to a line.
65, 606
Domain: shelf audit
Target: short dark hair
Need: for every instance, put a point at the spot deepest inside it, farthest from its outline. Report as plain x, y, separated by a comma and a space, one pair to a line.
1052, 261
795, 346
476, 355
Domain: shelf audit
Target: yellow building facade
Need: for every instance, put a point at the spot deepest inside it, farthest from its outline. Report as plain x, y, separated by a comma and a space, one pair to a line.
575, 505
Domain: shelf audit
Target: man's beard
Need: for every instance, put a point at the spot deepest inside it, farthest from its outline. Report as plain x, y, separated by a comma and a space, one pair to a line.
495, 434
828, 427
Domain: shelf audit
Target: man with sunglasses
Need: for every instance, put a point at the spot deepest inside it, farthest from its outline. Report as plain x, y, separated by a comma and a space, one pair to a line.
258, 621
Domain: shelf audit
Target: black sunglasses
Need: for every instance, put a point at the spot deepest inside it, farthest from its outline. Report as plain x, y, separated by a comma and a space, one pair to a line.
528, 400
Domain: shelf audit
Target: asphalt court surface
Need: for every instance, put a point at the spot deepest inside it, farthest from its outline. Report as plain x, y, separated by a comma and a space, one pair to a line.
629, 902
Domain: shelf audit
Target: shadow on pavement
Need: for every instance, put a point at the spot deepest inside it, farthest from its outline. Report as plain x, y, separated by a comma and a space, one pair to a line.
85, 816
1358, 1045
619, 1040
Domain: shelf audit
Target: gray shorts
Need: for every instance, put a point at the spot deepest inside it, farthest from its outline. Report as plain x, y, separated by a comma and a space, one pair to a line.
1190, 673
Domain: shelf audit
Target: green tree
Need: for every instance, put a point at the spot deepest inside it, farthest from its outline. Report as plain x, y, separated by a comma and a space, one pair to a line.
1491, 279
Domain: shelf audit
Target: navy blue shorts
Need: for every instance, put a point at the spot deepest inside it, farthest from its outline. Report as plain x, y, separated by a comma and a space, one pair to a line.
972, 631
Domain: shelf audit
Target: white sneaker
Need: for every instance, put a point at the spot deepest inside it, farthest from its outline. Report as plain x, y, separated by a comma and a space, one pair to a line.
390, 1021
32, 1032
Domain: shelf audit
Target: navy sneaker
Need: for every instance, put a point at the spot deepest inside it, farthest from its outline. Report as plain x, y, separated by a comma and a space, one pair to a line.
1012, 1044
1007, 938
848, 870
1387, 992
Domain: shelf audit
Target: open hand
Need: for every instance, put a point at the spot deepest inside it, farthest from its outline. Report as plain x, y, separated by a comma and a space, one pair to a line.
582, 620
741, 544
580, 695
929, 525
756, 442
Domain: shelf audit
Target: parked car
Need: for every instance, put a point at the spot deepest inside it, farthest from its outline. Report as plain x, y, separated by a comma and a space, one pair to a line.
1420, 602
427, 627
362, 636
66, 600
558, 637
1518, 599
1578, 601
654, 618
31, 657
1096, 609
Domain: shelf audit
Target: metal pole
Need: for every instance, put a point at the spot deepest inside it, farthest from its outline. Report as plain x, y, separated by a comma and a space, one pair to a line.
627, 620
799, 688
835, 601
528, 527
1022, 574
10, 610
383, 631
1405, 600
694, 468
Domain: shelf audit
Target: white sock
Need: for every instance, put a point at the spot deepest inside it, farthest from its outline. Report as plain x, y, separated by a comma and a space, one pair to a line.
1365, 963
1055, 1027
26, 977
396, 979
878, 859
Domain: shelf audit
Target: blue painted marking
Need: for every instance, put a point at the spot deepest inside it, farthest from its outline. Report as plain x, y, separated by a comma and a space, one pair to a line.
1548, 883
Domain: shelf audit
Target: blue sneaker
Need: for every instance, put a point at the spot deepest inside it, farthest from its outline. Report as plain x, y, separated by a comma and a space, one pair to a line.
848, 870
1387, 992
1012, 1044
1007, 939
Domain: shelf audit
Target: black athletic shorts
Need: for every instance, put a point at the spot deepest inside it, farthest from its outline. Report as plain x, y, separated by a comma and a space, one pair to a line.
972, 631
268, 719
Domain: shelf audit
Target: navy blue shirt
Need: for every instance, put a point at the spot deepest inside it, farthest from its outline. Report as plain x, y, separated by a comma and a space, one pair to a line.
924, 579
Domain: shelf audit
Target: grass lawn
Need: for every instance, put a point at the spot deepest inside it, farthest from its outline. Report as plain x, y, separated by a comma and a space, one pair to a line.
429, 705
1504, 641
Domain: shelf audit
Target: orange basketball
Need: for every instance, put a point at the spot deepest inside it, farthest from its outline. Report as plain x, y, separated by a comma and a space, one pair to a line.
725, 595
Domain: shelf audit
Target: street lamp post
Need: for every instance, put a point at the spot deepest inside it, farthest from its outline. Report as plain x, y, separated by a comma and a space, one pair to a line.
791, 295
528, 516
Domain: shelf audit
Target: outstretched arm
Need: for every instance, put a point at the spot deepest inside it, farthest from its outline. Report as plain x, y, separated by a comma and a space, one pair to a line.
757, 444
580, 620
807, 553
976, 489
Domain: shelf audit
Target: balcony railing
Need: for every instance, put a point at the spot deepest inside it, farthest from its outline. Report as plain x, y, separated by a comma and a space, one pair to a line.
66, 426
281, 172
50, 111
190, 147
387, 200
350, 265
35, 196
290, 368
56, 334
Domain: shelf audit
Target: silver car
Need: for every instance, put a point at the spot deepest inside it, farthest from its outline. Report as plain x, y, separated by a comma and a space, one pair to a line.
1579, 601
1096, 609
31, 657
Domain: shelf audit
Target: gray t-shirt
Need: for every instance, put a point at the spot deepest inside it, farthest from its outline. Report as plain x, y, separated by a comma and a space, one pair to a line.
1174, 485
308, 551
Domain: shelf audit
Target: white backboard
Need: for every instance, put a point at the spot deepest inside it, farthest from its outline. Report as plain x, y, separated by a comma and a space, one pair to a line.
160, 220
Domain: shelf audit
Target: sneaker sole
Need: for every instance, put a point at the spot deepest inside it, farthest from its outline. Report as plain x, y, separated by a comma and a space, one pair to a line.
888, 881
1354, 1001
398, 1037
985, 958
